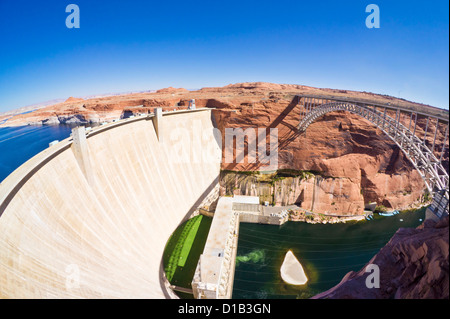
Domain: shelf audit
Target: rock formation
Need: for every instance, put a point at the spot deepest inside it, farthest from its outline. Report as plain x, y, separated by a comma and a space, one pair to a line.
354, 163
172, 90
413, 265
292, 271
73, 99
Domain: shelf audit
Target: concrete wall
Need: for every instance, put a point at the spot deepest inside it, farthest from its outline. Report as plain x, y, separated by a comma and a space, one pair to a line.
64, 237
245, 217
214, 275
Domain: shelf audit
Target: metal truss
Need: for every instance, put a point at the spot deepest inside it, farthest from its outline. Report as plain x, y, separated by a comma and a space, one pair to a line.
421, 156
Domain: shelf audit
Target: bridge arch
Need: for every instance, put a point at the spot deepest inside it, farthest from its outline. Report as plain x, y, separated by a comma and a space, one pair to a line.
424, 160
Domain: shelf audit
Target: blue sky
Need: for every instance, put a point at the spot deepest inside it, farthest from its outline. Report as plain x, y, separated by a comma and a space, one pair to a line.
142, 45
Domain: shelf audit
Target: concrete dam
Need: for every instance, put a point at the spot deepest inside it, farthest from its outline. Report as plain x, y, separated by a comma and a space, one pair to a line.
89, 217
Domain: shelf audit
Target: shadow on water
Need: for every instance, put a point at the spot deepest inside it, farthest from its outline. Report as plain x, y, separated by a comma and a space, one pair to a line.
19, 144
326, 252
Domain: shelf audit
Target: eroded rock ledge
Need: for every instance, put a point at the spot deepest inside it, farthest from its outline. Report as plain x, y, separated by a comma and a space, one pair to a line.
413, 265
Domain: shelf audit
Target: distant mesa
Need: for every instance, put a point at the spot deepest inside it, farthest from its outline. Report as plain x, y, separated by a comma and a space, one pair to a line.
172, 90
265, 86
292, 271
74, 99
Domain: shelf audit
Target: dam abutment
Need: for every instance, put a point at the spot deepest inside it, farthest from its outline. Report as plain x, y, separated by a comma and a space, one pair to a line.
62, 238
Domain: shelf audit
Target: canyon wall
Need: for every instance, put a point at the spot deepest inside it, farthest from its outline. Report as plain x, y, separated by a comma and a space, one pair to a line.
413, 265
357, 163
311, 192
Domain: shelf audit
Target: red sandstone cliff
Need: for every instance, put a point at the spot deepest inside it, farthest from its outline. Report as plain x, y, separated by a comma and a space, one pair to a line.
413, 265
73, 99
357, 163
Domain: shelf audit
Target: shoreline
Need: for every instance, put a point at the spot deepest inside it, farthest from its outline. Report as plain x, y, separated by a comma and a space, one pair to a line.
319, 218
301, 215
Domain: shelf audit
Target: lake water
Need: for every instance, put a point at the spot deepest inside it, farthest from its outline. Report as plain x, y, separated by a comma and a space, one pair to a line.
19, 144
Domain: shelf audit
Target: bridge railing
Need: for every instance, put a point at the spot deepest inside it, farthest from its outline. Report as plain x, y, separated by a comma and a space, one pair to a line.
439, 206
416, 149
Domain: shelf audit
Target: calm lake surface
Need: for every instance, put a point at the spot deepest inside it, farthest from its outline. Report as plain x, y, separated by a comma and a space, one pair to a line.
19, 144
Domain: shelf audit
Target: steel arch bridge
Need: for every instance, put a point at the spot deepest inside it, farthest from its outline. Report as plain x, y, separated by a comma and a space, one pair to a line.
401, 125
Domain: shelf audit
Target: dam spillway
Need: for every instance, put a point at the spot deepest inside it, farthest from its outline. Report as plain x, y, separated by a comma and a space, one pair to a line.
93, 222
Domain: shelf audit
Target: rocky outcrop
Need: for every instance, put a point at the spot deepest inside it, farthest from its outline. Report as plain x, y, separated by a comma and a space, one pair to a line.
73, 99
413, 265
312, 192
357, 163
172, 90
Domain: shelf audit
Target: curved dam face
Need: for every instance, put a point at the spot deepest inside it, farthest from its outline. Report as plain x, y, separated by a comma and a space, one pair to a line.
93, 222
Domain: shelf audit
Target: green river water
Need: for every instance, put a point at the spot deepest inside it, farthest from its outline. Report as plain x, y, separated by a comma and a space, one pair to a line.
326, 251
